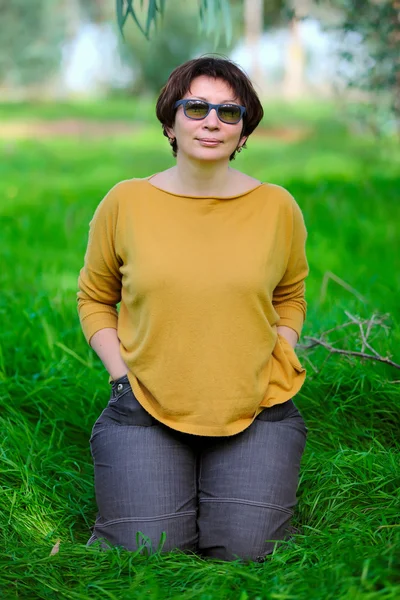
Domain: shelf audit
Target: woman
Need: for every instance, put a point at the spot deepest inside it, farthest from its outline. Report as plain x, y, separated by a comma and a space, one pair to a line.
200, 438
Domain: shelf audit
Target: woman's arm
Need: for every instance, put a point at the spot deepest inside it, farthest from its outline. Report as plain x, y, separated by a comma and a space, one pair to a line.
99, 285
99, 280
288, 297
105, 343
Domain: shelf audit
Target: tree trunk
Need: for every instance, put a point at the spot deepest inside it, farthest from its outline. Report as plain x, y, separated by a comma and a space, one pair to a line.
294, 79
293, 83
253, 22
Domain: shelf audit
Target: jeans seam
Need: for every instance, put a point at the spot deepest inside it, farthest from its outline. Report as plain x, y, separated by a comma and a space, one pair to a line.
110, 426
249, 502
147, 519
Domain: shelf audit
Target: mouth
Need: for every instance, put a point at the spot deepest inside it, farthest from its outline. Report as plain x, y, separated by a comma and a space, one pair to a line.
209, 141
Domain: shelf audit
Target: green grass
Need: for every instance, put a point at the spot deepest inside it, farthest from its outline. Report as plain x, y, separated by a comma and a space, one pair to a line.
142, 109
111, 109
52, 386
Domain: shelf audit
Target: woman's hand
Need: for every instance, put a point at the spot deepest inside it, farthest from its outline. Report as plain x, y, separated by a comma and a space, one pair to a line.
289, 334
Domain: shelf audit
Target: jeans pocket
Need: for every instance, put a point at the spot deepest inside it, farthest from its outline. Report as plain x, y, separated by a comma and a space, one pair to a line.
124, 408
119, 387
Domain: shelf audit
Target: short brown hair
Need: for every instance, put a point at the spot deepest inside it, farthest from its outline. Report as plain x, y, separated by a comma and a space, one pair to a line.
178, 85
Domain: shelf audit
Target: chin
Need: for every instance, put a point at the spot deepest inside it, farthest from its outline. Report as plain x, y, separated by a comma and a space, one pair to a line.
210, 154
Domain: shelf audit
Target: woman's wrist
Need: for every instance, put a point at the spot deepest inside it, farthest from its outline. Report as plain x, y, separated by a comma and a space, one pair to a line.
289, 334
117, 375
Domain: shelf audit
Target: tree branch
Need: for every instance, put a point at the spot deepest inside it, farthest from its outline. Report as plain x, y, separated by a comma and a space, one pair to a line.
334, 350
375, 320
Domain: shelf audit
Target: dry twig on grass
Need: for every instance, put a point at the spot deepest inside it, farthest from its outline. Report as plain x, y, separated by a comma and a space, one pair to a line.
375, 320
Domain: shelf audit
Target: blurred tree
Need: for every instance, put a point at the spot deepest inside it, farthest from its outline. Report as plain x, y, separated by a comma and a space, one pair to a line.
263, 15
97, 11
72, 15
248, 19
214, 15
244, 18
373, 55
175, 39
254, 29
294, 77
378, 24
30, 41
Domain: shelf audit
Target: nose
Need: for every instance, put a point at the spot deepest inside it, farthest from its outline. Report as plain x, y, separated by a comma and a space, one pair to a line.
211, 121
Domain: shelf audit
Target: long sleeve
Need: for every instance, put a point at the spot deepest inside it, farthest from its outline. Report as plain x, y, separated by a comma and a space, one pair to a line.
99, 280
289, 296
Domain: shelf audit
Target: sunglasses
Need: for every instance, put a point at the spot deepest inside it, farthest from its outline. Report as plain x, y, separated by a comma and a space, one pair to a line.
199, 109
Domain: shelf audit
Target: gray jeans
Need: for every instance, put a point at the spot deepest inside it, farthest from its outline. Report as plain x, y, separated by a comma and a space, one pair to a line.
225, 497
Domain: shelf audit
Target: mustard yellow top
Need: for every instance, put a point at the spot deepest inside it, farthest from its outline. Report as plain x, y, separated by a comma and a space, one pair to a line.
203, 282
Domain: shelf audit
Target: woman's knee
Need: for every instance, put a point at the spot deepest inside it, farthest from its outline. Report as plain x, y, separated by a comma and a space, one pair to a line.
164, 533
231, 530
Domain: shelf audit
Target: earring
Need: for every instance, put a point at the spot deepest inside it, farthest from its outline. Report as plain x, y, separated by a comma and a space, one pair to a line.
239, 149
171, 140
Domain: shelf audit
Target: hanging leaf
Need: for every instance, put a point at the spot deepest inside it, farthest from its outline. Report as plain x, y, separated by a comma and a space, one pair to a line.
122, 16
151, 15
214, 15
227, 20
210, 16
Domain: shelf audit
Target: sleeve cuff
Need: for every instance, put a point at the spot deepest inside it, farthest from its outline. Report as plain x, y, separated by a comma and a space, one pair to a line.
92, 324
292, 319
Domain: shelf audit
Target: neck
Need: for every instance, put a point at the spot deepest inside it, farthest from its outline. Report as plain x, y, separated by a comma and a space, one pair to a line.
200, 178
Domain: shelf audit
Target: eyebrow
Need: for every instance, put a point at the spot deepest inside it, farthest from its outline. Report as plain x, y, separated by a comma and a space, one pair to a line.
224, 102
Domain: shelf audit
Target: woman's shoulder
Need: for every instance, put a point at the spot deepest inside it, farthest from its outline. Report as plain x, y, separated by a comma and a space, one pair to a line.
126, 188
271, 191
119, 195
281, 199
127, 185
280, 194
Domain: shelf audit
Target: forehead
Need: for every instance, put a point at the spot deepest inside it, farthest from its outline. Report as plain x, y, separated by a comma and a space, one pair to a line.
211, 89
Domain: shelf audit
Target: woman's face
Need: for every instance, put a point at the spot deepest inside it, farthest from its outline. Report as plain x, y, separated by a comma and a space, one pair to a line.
208, 139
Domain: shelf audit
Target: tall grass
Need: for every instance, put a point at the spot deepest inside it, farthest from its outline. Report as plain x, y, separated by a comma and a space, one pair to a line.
52, 386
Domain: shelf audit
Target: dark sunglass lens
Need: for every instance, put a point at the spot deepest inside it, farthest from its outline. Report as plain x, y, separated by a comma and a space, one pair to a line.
196, 109
229, 113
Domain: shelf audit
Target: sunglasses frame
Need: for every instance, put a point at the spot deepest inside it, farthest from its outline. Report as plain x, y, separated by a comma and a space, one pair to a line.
210, 107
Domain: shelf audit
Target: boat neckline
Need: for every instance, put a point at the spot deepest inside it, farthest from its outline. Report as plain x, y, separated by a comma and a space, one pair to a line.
147, 180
